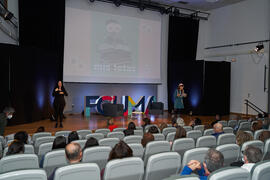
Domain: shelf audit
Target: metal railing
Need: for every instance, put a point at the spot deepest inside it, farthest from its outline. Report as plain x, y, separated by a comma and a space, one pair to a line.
251, 105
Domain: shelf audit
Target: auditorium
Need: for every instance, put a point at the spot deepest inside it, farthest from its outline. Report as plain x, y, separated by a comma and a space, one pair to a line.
135, 90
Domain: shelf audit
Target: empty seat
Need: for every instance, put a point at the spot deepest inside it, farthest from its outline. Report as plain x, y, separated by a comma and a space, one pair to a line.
155, 147
208, 132
119, 129
40, 134
244, 126
137, 150
84, 132
18, 162
159, 137
162, 165
97, 154
43, 149
206, 141
258, 133
84, 171
266, 151
228, 138
187, 128
170, 137
224, 123
103, 131
230, 152
33, 174
81, 142
182, 145
62, 133
42, 140
240, 121
199, 127
133, 139
122, 169
194, 154
108, 142
53, 160
260, 171
195, 134
232, 123
28, 149
97, 136
228, 130
118, 134
229, 173
138, 132
256, 143
168, 130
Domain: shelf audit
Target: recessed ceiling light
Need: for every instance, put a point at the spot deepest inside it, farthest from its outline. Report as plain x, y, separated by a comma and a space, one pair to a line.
211, 1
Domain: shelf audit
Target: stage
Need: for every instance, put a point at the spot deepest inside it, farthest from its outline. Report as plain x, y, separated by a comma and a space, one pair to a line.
75, 122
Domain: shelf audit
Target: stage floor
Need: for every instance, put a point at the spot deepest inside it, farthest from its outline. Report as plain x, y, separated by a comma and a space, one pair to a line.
95, 121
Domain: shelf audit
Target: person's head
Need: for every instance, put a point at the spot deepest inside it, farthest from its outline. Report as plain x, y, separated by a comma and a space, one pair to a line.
73, 136
163, 126
218, 117
153, 130
120, 150
40, 129
73, 152
110, 121
21, 136
256, 126
9, 111
264, 136
91, 142
213, 160
16, 147
260, 115
131, 126
252, 155
218, 128
242, 137
180, 133
59, 84
59, 143
146, 121
197, 121
181, 86
147, 137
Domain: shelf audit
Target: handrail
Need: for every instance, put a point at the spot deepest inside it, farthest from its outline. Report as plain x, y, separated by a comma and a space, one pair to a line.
253, 106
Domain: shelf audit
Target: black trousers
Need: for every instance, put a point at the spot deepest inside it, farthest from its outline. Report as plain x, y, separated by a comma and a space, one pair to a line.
58, 111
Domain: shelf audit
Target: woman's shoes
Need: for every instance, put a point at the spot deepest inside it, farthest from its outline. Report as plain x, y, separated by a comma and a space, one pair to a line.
56, 125
61, 125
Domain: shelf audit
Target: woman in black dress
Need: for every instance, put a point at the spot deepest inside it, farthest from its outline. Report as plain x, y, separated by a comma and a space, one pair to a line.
59, 102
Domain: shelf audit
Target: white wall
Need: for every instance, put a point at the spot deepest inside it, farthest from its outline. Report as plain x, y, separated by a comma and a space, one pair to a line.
242, 22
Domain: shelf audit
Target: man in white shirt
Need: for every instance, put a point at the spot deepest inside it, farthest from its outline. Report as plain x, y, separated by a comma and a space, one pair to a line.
252, 155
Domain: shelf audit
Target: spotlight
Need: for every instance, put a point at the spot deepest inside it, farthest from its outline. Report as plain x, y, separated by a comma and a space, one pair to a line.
141, 7
259, 47
169, 10
162, 10
91, 1
117, 3
176, 12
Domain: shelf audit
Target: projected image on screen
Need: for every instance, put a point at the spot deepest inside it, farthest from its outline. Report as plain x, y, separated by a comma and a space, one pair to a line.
110, 48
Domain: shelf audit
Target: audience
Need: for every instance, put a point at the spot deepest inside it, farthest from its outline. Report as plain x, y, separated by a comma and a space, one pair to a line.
195, 122
130, 129
40, 129
252, 155
264, 136
59, 143
147, 137
16, 147
162, 126
180, 133
146, 122
153, 130
6, 115
242, 137
91, 142
111, 125
217, 118
73, 136
256, 126
218, 129
213, 161
21, 136
266, 121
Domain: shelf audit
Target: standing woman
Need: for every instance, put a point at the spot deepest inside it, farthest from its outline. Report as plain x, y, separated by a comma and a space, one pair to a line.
59, 102
179, 94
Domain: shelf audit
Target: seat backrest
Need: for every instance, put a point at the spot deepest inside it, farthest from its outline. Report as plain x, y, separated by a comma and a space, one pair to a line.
40, 134
148, 126
120, 169
138, 132
137, 150
103, 131
194, 154
208, 132
82, 171
117, 134
81, 142
3, 141
33, 174
42, 140
108, 142
240, 121
250, 132
132, 139
199, 127
62, 133
162, 165
119, 129
256, 143
244, 126
206, 141
182, 145
170, 137
187, 128
43, 149
155, 147
97, 136
228, 138
97, 154
159, 137
168, 130
195, 134
230, 152
258, 133
228, 129
9, 137
28, 149
183, 177
232, 123
224, 123
18, 162
260, 171
266, 152
229, 173
84, 132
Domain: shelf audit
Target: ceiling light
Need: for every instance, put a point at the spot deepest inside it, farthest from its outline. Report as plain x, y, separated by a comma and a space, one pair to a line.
117, 3
212, 1
259, 47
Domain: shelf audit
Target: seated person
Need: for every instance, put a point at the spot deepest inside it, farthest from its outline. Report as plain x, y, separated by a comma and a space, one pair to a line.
130, 130
195, 122
264, 136
40, 129
146, 122
147, 137
91, 142
16, 147
180, 133
242, 137
111, 125
218, 129
21, 136
163, 126
213, 161
73, 136
153, 130
217, 118
256, 126
252, 155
